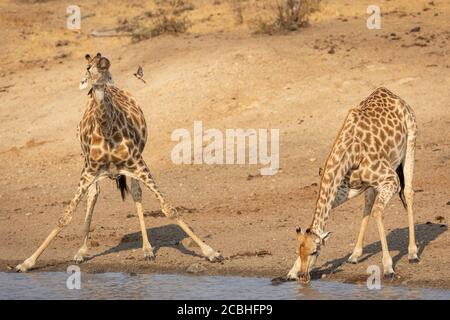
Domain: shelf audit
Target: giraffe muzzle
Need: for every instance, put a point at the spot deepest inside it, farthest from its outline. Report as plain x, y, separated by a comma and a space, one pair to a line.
83, 83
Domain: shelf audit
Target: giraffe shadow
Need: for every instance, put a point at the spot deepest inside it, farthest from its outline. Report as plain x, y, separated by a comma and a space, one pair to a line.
397, 241
165, 236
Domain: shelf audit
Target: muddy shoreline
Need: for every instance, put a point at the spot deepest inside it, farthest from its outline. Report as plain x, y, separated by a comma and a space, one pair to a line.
211, 270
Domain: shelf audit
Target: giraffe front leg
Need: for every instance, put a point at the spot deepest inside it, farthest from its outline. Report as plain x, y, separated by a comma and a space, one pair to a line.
136, 193
369, 197
86, 180
92, 196
144, 175
358, 250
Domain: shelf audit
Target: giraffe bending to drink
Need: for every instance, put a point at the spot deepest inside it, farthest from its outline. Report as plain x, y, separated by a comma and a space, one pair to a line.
113, 134
373, 153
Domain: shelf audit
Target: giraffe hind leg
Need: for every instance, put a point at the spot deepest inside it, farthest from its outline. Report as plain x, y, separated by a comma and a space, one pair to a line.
385, 191
408, 170
136, 193
142, 173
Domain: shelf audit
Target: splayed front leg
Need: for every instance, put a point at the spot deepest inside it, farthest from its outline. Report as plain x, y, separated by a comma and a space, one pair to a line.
85, 182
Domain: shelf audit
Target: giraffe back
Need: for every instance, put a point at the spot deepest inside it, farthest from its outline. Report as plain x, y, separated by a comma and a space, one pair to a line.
382, 124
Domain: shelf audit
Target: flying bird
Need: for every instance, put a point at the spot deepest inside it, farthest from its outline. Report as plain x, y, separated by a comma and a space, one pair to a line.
139, 74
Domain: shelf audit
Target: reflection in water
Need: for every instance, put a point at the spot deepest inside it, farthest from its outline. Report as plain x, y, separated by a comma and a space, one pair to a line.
52, 285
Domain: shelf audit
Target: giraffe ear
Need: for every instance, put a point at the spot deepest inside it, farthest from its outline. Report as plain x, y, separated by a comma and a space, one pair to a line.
87, 57
298, 230
104, 64
99, 55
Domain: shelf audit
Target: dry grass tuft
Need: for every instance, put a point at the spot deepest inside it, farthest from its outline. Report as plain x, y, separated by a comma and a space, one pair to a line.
168, 18
291, 15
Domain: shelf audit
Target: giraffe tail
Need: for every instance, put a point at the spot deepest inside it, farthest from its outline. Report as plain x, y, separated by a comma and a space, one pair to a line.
122, 186
401, 177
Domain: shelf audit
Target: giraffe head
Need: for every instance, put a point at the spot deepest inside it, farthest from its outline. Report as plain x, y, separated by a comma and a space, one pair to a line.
309, 244
97, 71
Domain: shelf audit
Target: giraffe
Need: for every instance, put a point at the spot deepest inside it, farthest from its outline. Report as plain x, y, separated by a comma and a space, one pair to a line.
113, 135
373, 154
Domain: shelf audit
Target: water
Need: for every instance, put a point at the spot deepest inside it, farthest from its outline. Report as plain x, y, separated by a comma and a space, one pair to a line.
52, 285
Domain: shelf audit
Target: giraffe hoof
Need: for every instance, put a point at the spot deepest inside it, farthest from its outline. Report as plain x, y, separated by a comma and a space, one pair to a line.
414, 260
149, 258
389, 275
148, 254
352, 260
21, 268
216, 257
25, 266
78, 259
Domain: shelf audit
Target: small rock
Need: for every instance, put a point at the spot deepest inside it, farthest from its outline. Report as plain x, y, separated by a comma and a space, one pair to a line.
448, 203
415, 29
331, 51
61, 43
323, 276
196, 268
312, 159
28, 214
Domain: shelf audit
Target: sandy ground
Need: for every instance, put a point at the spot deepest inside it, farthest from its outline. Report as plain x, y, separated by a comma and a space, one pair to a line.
220, 73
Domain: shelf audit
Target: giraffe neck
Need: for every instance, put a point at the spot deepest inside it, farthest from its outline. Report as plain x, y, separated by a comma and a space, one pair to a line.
104, 111
339, 162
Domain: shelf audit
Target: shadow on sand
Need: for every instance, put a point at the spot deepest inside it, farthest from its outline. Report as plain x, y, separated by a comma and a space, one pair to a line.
165, 236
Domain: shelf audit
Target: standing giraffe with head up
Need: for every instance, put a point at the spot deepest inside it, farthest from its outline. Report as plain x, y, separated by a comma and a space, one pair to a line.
113, 134
373, 153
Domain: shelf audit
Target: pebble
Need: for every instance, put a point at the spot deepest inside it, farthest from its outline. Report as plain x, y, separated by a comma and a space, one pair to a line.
196, 268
